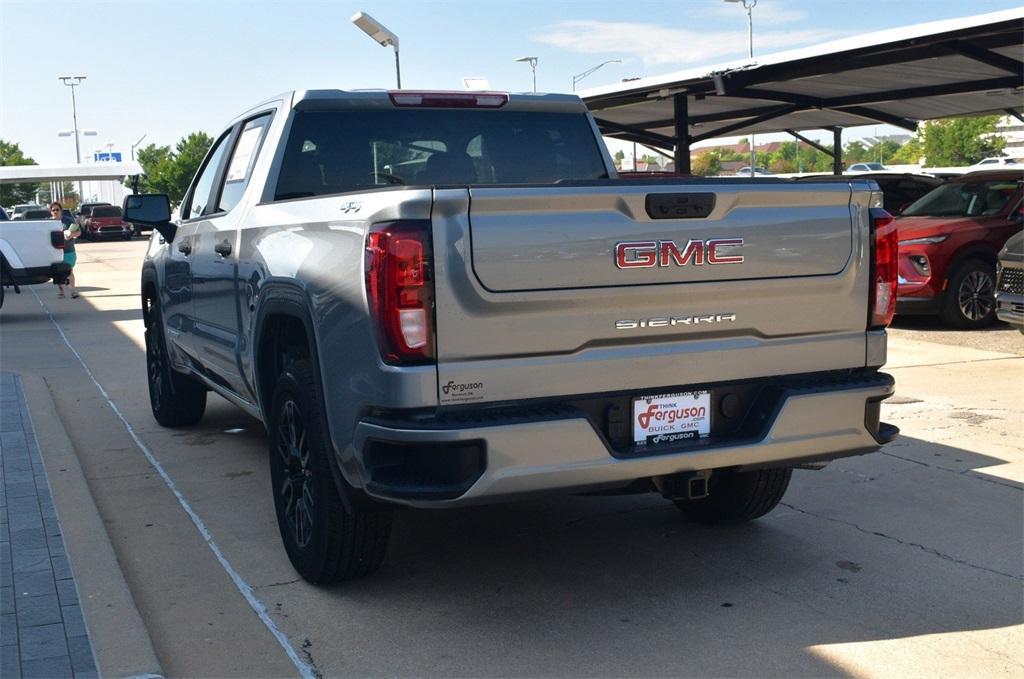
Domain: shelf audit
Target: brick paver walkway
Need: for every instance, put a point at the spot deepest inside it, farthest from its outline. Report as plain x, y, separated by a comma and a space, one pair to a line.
43, 632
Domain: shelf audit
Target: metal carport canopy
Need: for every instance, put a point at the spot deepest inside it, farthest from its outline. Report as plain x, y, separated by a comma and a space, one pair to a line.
959, 67
25, 174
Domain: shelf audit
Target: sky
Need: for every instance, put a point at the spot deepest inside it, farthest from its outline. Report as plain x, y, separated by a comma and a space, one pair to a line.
165, 69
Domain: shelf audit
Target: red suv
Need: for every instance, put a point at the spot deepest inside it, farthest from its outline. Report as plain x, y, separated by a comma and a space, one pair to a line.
948, 245
107, 220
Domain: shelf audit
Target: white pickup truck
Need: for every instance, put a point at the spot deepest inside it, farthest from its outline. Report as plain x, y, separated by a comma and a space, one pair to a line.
31, 251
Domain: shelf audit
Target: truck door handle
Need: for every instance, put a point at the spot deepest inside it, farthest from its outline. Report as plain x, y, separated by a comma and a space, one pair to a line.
185, 248
223, 248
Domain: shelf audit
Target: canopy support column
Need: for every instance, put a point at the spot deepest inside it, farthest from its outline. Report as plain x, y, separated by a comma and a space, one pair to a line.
682, 133
837, 154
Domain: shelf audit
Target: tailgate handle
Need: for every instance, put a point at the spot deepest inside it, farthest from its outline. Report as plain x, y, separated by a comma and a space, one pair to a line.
679, 205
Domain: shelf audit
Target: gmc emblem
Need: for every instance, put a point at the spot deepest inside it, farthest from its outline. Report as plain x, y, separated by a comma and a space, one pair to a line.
647, 253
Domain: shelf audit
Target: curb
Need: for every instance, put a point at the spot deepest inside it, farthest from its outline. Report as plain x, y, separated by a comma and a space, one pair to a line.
120, 641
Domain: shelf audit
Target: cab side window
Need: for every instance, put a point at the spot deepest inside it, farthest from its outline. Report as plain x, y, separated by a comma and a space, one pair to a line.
199, 204
243, 158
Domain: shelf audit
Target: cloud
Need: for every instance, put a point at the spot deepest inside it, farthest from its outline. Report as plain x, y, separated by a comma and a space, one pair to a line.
656, 45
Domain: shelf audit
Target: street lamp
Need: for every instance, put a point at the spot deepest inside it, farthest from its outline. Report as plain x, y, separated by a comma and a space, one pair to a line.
581, 76
136, 144
74, 81
532, 61
373, 28
749, 5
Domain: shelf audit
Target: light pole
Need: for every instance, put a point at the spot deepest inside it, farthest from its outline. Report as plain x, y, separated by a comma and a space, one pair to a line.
136, 144
74, 81
532, 61
749, 6
373, 28
581, 76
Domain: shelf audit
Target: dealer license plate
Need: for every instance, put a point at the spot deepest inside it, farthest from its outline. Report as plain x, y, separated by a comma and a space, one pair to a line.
671, 417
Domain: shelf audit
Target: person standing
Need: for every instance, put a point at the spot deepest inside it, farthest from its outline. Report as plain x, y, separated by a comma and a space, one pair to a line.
71, 232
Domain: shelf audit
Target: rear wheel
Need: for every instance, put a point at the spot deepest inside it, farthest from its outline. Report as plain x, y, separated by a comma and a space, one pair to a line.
970, 299
324, 541
734, 497
176, 399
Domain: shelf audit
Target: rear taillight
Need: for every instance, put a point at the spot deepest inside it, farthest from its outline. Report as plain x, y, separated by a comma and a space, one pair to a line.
400, 290
449, 99
57, 239
884, 266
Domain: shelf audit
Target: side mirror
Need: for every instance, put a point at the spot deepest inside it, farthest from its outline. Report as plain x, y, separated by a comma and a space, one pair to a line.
151, 209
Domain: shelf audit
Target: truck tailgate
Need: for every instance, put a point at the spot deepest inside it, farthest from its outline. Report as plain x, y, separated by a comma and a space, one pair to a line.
533, 299
550, 239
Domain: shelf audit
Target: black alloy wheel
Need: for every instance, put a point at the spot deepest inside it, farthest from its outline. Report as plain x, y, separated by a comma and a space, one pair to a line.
325, 540
296, 488
971, 296
175, 399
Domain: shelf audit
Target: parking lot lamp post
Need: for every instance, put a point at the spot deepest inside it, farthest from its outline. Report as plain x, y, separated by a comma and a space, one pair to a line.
136, 144
581, 76
749, 6
532, 61
373, 28
74, 81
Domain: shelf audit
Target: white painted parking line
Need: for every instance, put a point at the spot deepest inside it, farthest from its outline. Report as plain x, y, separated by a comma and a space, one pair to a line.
244, 588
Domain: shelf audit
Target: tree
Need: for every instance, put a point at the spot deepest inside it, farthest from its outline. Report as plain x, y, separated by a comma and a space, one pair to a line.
909, 154
620, 155
156, 163
171, 172
961, 141
12, 194
706, 164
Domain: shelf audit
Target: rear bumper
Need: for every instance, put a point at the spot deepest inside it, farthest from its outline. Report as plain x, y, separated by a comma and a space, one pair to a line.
33, 275
488, 457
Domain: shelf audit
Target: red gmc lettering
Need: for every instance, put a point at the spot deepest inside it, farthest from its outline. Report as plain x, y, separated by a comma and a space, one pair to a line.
715, 258
636, 254
664, 253
694, 250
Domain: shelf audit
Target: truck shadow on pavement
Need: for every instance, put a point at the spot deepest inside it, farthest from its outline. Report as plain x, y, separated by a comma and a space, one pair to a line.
932, 323
918, 540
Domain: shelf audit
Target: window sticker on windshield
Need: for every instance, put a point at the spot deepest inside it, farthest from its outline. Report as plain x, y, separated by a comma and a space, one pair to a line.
243, 153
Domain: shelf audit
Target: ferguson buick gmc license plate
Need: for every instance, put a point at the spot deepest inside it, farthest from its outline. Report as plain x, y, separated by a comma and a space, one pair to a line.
671, 417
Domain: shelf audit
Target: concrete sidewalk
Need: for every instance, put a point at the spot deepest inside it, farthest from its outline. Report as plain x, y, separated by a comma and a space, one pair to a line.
58, 568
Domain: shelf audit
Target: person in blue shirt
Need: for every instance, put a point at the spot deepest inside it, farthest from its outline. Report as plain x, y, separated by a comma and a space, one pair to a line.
71, 232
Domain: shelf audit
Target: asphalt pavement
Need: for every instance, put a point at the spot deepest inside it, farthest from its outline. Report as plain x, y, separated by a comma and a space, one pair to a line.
902, 563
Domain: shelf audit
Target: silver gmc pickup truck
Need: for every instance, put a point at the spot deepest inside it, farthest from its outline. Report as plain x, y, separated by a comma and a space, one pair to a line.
434, 299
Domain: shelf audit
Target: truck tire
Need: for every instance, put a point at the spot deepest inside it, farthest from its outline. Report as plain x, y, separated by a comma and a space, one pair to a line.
176, 400
970, 299
734, 497
324, 541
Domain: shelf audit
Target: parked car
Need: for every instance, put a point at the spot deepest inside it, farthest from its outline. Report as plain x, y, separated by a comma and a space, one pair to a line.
948, 245
758, 172
106, 221
899, 190
35, 214
3, 215
20, 210
993, 163
1010, 282
866, 167
84, 213
456, 333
